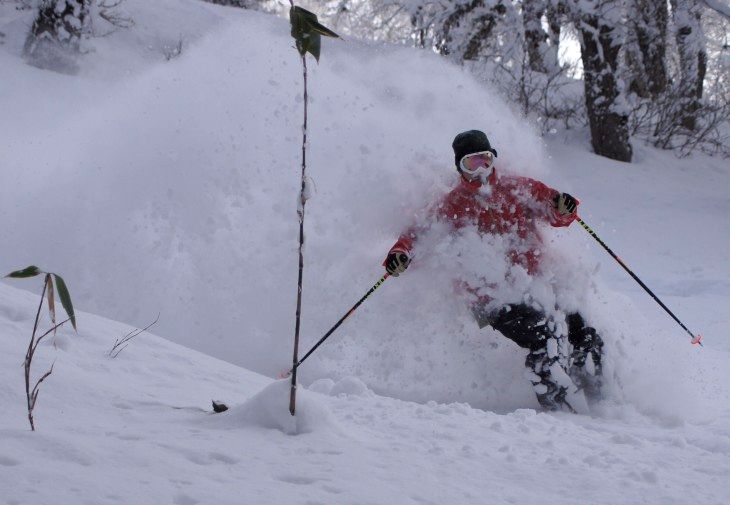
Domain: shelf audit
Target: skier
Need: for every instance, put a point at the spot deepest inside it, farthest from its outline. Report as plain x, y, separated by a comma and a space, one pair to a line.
516, 206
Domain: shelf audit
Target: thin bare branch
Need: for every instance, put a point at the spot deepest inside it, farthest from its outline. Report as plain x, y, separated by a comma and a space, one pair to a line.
34, 394
121, 344
51, 330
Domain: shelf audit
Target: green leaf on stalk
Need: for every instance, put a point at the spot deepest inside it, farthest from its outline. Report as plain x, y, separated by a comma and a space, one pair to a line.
307, 31
30, 271
65, 299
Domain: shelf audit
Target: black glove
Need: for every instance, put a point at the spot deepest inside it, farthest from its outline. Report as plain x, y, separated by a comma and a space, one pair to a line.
397, 262
566, 204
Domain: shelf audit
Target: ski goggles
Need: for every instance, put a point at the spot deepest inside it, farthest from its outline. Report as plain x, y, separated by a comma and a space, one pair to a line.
476, 163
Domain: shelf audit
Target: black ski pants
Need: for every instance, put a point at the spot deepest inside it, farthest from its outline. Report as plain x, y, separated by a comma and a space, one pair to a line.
531, 329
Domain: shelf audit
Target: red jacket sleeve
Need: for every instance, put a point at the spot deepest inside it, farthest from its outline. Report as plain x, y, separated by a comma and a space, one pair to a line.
404, 243
546, 197
410, 236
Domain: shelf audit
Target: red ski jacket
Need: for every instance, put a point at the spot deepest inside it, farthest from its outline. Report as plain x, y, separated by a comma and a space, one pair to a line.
506, 204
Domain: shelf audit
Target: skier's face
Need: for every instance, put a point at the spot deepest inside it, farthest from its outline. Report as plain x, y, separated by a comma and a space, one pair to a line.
476, 165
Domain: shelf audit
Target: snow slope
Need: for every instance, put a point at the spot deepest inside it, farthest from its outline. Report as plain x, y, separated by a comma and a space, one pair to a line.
666, 218
137, 429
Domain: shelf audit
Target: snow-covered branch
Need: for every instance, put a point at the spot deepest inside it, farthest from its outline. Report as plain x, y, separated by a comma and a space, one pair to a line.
719, 6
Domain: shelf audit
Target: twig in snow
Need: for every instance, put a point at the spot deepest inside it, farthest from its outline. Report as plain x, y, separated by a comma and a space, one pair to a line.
121, 343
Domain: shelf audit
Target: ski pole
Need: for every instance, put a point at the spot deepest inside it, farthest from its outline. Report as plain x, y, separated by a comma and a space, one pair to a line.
695, 339
284, 375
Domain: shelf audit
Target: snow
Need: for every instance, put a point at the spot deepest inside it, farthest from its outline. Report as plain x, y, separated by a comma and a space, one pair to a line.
269, 408
720, 6
350, 386
138, 429
171, 187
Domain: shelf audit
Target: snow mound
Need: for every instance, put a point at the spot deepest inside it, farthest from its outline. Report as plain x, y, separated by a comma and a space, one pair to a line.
269, 409
322, 386
350, 386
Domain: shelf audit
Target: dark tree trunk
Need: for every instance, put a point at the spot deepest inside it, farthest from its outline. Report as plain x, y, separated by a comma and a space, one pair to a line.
649, 24
56, 33
692, 58
608, 120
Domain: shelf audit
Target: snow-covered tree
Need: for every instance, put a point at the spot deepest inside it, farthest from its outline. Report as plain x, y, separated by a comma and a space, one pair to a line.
647, 46
692, 57
555, 16
599, 25
56, 33
648, 66
468, 28
541, 46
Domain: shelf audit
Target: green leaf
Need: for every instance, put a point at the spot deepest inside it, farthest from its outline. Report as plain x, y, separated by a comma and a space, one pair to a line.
313, 45
307, 31
321, 29
65, 299
30, 271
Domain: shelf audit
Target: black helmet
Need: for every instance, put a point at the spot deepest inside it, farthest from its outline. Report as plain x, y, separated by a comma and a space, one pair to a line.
468, 142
